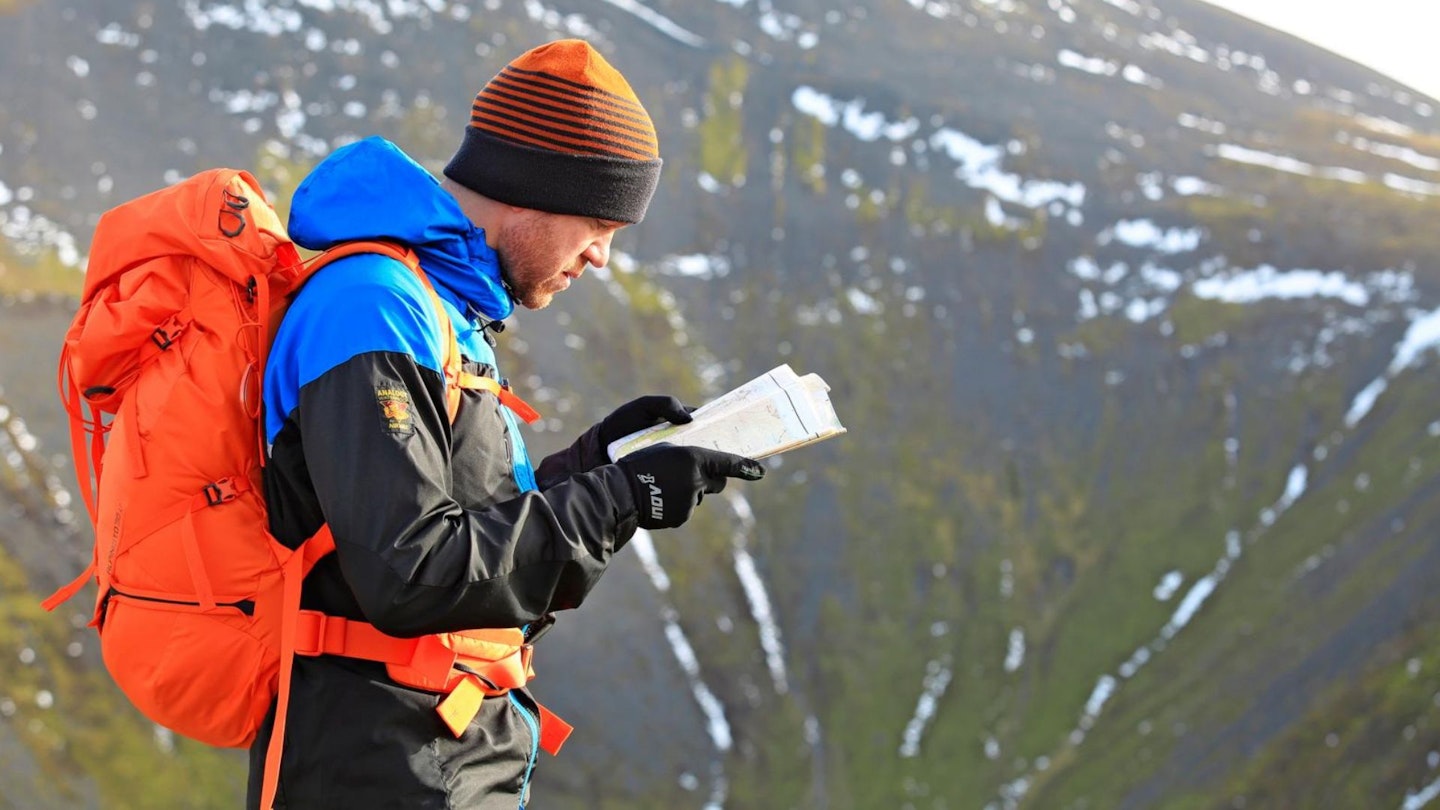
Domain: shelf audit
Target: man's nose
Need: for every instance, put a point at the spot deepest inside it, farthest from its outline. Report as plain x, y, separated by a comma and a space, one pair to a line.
597, 254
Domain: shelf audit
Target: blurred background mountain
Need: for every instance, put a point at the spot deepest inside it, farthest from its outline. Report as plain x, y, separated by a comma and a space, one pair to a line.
1130, 307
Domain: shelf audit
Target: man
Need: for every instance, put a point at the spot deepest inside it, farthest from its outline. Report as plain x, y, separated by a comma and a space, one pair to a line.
442, 526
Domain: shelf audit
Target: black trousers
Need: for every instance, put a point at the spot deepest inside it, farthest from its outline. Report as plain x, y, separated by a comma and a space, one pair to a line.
357, 740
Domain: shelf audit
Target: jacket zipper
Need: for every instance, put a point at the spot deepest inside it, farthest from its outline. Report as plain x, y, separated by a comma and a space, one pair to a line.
534, 743
246, 606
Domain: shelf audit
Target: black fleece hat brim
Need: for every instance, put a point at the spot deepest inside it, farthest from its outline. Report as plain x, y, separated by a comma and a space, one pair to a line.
582, 185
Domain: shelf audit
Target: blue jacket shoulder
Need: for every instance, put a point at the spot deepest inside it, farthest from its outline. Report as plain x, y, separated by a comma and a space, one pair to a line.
358, 305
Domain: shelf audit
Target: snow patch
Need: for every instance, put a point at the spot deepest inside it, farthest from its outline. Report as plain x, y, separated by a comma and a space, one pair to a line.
1143, 233
1015, 650
659, 22
1168, 585
937, 678
1264, 282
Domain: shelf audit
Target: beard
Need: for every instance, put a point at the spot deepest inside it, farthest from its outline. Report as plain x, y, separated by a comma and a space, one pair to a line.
529, 266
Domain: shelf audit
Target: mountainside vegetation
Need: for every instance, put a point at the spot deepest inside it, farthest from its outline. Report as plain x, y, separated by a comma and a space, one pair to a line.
1130, 307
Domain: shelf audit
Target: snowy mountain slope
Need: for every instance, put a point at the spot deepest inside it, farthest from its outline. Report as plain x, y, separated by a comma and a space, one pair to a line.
1130, 308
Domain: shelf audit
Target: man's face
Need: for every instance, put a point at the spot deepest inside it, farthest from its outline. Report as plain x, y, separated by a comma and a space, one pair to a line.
541, 253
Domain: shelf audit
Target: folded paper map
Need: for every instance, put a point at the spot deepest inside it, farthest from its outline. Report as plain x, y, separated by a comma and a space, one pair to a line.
772, 413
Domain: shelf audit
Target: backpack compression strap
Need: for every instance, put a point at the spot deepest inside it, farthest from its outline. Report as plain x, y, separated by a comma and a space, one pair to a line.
293, 572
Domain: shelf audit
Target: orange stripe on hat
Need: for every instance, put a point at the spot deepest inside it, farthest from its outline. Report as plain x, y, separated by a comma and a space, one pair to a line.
559, 129
506, 118
583, 105
563, 86
550, 95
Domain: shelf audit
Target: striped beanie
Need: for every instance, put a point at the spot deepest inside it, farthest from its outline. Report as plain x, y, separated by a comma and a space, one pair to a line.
560, 130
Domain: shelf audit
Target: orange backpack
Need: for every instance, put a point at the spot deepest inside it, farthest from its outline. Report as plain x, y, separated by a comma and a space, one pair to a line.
198, 606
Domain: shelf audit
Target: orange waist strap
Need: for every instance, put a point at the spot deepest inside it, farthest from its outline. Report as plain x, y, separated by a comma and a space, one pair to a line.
466, 667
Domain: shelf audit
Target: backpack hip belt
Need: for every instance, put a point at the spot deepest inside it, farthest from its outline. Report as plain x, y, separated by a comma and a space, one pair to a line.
467, 666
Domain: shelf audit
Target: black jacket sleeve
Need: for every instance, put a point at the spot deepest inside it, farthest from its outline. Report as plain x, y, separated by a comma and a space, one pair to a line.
376, 439
585, 453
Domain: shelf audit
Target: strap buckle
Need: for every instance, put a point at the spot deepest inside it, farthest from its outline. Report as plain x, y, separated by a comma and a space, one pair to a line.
310, 633
163, 339
222, 491
165, 335
317, 633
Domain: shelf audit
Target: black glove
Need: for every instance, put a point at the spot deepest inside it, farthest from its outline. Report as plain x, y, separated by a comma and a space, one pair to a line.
641, 413
669, 481
588, 451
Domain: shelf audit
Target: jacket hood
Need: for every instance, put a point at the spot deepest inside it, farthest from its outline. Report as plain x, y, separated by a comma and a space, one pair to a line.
371, 190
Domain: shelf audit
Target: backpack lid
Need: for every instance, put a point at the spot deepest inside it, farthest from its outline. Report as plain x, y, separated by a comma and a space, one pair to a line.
218, 216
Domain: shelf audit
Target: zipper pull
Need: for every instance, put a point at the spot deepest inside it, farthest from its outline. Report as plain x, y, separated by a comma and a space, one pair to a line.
487, 326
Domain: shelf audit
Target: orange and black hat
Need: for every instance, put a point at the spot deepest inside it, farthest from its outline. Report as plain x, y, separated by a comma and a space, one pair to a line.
560, 130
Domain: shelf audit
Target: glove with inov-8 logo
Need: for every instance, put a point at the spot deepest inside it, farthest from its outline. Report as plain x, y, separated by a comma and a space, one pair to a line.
669, 481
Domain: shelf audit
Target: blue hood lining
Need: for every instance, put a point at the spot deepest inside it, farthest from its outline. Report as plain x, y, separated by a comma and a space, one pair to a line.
371, 189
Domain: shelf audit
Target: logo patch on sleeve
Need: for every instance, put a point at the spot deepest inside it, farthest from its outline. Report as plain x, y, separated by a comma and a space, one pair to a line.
395, 410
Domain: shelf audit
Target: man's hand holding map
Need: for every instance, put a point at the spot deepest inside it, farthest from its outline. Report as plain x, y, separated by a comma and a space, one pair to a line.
773, 413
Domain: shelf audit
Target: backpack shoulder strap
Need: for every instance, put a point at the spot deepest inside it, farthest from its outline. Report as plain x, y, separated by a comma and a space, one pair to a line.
456, 378
397, 252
